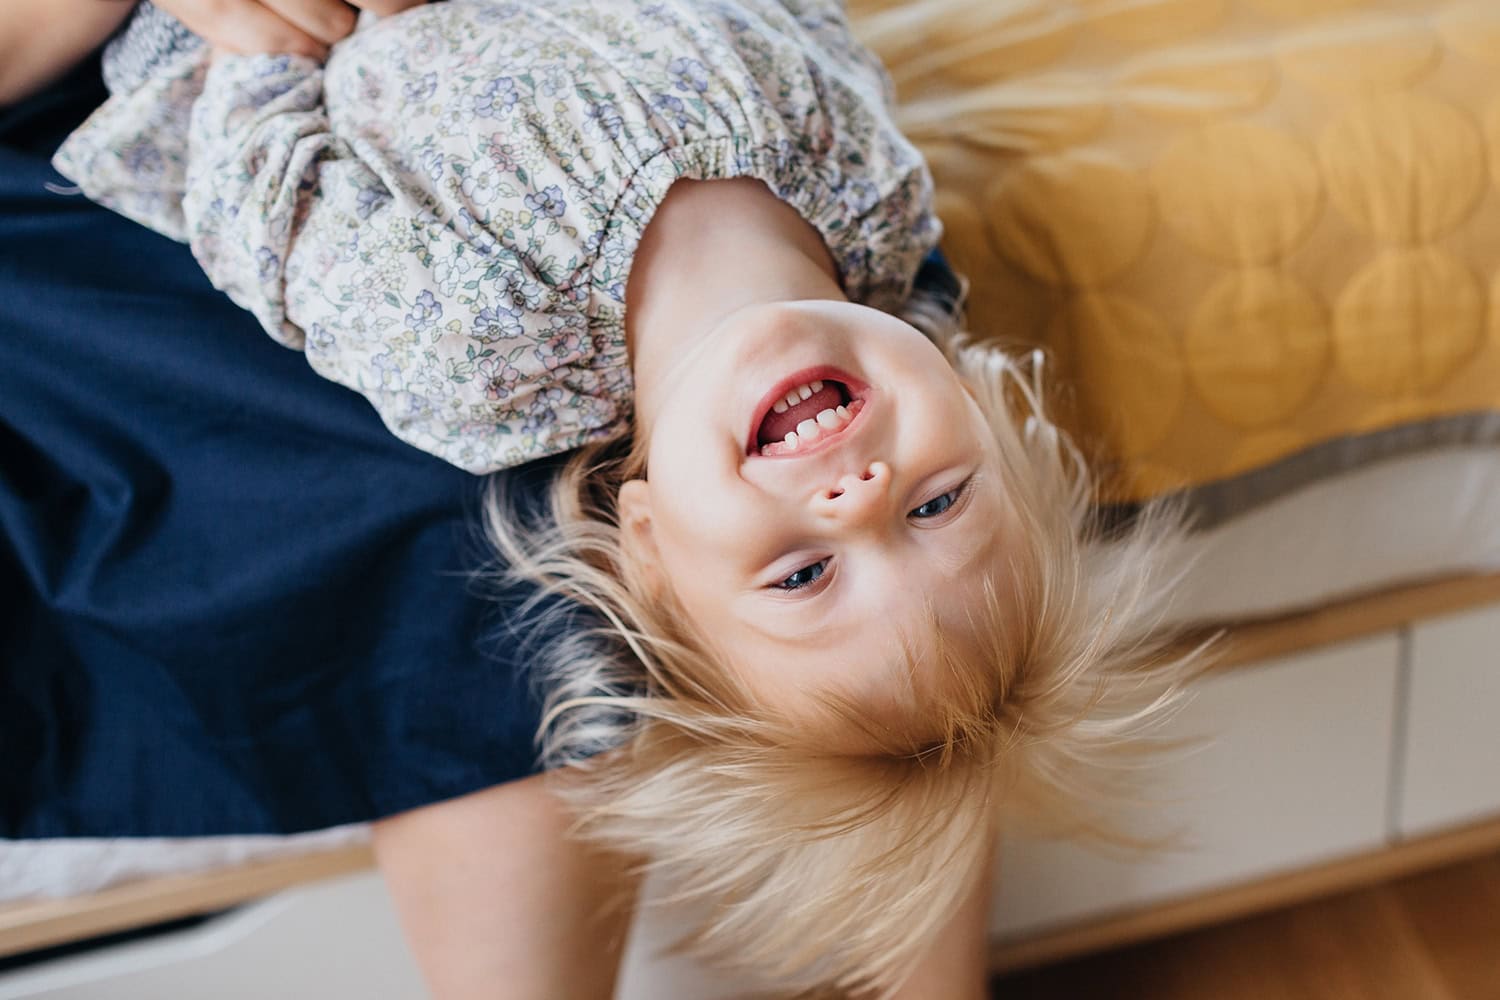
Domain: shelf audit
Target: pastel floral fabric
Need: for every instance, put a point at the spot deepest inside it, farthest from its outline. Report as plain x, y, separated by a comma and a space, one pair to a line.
444, 216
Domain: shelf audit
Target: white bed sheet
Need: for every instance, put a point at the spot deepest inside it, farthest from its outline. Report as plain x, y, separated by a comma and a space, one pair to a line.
1402, 520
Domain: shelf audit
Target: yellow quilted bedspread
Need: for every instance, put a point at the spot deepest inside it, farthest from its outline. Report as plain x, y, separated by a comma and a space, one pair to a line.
1241, 227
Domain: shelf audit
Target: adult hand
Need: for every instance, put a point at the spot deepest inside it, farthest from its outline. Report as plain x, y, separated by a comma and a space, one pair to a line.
385, 8
299, 27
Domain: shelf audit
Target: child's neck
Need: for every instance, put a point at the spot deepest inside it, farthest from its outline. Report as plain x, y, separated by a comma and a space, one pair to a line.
714, 247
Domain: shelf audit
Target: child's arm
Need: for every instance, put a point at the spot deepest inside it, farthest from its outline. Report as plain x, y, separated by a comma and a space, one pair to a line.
498, 901
956, 965
42, 39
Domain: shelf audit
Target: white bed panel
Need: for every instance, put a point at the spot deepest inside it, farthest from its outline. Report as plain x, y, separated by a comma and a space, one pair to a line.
1291, 770
1450, 770
333, 940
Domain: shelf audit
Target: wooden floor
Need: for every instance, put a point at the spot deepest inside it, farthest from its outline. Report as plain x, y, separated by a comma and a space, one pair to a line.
1434, 936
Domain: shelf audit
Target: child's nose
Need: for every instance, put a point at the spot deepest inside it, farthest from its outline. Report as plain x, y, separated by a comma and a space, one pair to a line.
857, 497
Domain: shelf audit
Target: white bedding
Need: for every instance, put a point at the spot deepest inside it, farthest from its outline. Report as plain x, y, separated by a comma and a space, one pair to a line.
1406, 519
48, 869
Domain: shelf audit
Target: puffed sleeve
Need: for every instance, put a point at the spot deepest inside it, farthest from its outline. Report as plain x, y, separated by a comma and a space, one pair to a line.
389, 281
376, 233
262, 159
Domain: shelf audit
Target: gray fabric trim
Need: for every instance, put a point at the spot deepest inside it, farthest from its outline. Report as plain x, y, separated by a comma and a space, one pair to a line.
1214, 503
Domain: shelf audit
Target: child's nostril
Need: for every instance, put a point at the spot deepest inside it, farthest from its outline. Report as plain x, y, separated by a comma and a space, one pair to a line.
866, 476
835, 494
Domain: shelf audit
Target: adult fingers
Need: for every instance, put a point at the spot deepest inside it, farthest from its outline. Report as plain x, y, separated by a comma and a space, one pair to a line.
325, 20
243, 27
384, 8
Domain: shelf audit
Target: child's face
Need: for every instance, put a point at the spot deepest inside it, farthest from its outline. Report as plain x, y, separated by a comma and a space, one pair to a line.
817, 563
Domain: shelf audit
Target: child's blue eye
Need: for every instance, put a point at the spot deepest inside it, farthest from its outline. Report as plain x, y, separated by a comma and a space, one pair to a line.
938, 505
805, 576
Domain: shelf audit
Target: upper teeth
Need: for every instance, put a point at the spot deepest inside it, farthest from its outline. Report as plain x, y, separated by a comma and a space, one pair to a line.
797, 395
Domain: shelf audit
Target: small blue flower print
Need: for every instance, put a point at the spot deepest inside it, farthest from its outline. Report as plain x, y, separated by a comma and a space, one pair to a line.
671, 108
689, 74
860, 196
523, 291
387, 368
497, 97
554, 82
271, 90
497, 323
605, 119
549, 202
266, 263
368, 200
615, 251
273, 65
420, 89
319, 338
538, 419
856, 261
142, 158
425, 312
479, 239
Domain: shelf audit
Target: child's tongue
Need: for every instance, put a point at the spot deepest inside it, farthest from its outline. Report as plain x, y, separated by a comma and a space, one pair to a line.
776, 426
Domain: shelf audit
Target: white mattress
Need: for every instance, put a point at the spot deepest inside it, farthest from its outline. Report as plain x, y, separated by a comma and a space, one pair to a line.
1406, 519
1402, 520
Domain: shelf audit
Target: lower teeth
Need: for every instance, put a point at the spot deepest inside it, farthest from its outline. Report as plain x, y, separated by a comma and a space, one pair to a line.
794, 440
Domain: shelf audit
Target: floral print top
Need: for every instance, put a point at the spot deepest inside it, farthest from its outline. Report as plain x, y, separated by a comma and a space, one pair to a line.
443, 217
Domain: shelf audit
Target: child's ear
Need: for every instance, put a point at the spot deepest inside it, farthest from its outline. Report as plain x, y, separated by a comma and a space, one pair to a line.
640, 552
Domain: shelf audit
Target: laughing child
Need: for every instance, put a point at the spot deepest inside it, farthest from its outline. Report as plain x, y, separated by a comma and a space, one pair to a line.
846, 596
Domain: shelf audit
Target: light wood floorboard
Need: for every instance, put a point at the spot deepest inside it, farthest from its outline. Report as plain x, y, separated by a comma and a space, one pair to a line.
1433, 936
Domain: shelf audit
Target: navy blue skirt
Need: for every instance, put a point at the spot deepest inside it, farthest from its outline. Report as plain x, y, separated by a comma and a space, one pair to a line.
230, 600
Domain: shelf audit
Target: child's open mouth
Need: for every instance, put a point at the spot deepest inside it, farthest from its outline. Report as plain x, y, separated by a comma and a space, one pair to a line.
805, 410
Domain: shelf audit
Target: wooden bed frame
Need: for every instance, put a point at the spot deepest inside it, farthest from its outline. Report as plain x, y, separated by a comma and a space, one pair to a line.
34, 925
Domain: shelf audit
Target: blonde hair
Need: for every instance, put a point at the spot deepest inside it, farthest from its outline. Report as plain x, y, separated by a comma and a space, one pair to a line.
823, 868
